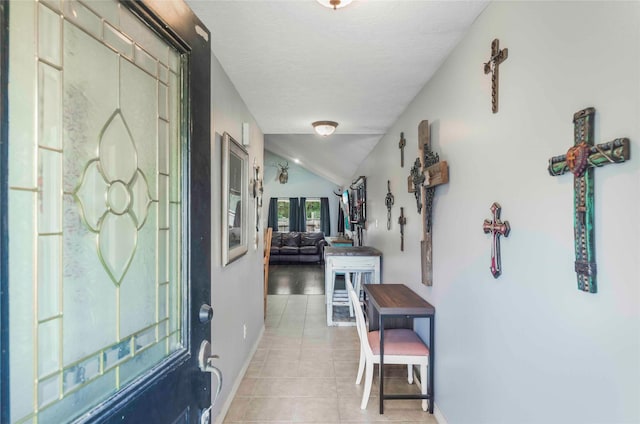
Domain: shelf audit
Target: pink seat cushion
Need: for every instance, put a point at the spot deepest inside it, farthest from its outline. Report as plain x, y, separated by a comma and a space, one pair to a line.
398, 342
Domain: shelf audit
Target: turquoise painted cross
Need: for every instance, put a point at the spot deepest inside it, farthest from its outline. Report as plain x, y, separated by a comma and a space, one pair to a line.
581, 159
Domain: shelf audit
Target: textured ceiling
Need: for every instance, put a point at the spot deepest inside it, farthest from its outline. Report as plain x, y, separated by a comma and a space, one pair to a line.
295, 62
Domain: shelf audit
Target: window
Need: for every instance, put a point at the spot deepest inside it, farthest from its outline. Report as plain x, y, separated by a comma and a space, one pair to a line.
283, 215
313, 215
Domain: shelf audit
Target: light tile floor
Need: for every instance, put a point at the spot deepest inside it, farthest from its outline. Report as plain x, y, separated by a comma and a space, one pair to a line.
305, 372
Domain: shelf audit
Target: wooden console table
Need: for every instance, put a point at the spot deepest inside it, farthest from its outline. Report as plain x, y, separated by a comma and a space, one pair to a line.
398, 300
348, 259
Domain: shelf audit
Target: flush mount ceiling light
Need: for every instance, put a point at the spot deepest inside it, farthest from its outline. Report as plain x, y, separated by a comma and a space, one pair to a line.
324, 128
334, 4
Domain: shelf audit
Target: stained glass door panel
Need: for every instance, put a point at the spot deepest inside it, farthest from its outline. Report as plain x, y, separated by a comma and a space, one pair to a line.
98, 207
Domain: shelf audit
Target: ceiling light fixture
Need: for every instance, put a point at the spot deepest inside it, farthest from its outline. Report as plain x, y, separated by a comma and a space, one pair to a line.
334, 4
324, 128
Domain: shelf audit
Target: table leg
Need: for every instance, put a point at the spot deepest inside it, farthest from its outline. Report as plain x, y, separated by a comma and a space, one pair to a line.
347, 283
329, 278
432, 328
381, 367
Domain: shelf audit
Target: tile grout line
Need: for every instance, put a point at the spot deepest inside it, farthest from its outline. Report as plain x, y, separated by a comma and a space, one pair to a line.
304, 323
335, 377
252, 397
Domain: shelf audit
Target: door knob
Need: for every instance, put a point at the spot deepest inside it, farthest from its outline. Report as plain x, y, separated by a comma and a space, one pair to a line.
206, 313
205, 362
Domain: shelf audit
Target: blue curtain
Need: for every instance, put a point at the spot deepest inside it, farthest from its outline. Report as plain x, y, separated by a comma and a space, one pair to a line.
302, 216
340, 220
293, 214
325, 221
272, 217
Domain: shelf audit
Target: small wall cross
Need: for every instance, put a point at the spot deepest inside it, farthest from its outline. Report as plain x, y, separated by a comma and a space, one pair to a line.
388, 201
581, 160
401, 145
257, 190
402, 220
497, 57
497, 228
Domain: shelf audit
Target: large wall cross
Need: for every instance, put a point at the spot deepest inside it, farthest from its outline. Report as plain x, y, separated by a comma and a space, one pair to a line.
427, 173
580, 160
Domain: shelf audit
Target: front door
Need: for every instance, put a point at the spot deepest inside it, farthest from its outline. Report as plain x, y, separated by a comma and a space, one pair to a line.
105, 211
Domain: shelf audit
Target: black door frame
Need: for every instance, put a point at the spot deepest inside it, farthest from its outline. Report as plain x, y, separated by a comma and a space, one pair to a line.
4, 188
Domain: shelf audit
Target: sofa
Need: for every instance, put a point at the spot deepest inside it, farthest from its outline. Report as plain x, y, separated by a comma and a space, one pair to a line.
294, 247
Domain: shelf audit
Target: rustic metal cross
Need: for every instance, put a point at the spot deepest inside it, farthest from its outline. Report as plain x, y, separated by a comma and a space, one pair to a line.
427, 173
258, 190
388, 201
402, 220
497, 57
416, 178
401, 145
497, 228
580, 160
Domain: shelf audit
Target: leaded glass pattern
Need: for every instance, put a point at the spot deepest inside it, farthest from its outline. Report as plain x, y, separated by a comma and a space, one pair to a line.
95, 205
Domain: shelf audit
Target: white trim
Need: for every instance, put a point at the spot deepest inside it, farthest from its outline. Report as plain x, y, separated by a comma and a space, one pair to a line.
437, 413
232, 394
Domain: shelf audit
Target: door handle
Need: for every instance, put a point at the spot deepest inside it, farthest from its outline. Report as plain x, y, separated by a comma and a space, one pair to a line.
205, 362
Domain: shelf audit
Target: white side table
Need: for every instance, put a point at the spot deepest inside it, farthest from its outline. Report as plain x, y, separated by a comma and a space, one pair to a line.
347, 260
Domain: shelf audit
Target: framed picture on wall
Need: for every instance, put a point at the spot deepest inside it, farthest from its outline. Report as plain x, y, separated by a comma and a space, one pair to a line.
235, 188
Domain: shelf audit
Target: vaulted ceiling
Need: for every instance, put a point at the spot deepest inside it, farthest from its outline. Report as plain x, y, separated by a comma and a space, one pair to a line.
294, 62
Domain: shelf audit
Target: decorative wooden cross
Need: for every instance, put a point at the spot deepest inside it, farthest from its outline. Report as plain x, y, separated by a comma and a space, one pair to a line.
402, 220
497, 228
427, 173
388, 201
401, 145
497, 57
580, 160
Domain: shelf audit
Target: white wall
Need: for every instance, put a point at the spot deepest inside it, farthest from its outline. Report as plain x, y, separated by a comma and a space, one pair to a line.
527, 347
237, 289
301, 183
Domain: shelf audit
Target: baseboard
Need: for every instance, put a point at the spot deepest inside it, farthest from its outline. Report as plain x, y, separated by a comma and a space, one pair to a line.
236, 384
437, 413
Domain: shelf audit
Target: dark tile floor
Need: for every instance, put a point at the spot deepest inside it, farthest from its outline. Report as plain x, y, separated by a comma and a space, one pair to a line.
296, 279
306, 279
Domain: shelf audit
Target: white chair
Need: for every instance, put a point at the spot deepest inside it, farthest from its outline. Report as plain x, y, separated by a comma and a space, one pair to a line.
356, 284
401, 346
